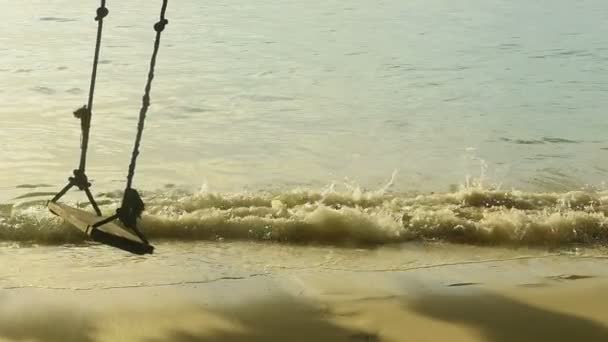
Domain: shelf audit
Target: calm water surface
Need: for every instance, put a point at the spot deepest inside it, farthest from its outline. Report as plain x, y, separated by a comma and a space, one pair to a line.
275, 94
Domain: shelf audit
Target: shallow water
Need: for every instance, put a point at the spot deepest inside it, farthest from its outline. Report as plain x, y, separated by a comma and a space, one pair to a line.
275, 95
323, 123
89, 268
339, 217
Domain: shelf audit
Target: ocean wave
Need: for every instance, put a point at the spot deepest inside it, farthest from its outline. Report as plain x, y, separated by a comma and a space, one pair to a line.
352, 217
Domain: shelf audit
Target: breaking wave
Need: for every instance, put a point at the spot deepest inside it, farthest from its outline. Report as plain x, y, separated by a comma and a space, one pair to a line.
345, 217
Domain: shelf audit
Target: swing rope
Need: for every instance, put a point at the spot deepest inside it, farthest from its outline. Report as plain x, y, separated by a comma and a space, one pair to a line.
132, 204
158, 27
80, 179
86, 111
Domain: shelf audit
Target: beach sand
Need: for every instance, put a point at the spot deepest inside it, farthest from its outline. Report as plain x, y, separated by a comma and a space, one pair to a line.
537, 298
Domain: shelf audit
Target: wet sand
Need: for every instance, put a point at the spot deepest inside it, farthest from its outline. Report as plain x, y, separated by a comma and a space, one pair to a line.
517, 300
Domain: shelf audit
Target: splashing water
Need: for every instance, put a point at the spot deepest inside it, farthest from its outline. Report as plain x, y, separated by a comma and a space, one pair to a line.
345, 215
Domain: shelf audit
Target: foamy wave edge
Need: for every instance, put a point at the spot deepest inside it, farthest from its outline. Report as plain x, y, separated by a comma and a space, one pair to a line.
347, 218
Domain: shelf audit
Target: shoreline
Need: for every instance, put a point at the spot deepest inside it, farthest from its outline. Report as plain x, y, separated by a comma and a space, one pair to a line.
550, 299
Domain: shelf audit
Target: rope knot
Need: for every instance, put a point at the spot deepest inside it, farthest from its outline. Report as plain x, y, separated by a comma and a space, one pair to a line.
131, 208
82, 113
160, 26
102, 12
80, 180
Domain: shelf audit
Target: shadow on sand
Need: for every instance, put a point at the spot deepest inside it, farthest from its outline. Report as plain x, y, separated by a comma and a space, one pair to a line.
501, 319
284, 318
279, 318
36, 324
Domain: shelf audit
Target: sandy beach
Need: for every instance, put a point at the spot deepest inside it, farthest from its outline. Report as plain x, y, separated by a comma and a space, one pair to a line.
526, 298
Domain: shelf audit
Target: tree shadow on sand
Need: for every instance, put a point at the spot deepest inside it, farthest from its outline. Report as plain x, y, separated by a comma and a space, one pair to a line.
279, 318
44, 324
501, 319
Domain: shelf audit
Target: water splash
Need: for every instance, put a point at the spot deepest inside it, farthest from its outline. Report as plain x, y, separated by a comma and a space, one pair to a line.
346, 215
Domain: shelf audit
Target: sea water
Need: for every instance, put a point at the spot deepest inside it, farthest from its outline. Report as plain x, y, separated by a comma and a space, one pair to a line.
358, 123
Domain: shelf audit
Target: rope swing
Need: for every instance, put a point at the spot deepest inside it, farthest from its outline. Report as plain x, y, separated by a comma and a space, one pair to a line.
132, 205
84, 113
